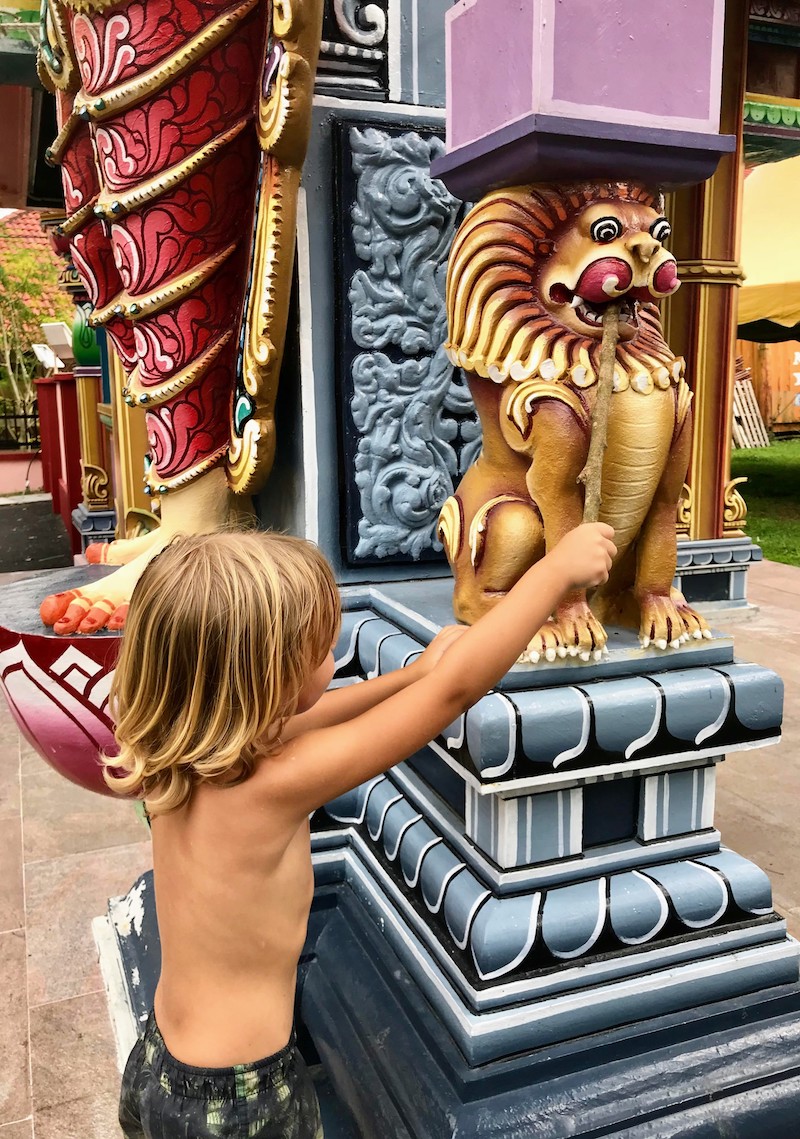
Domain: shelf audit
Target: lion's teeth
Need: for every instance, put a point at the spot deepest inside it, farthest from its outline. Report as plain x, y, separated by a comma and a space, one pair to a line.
576, 301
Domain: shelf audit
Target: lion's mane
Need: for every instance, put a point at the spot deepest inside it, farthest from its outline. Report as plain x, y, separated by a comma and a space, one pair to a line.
498, 327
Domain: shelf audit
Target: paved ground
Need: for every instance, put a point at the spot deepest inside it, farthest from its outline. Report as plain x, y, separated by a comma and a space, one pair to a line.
34, 538
63, 852
758, 791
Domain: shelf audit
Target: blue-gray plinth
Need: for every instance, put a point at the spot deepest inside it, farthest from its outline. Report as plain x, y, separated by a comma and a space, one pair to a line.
544, 880
94, 525
714, 572
531, 927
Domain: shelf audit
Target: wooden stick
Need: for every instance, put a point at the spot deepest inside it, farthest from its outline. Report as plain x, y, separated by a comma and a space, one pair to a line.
592, 474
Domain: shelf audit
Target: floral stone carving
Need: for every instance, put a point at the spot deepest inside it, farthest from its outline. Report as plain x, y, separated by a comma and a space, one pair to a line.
417, 429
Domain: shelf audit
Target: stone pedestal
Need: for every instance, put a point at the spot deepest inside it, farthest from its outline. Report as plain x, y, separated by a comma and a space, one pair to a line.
532, 927
541, 891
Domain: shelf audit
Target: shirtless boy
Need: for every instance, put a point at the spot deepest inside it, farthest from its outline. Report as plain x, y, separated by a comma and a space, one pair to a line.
227, 732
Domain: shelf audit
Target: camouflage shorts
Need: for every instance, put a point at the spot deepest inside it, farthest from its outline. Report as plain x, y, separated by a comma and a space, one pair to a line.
164, 1099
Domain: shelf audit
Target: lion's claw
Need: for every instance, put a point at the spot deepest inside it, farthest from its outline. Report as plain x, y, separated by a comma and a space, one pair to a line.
668, 621
574, 632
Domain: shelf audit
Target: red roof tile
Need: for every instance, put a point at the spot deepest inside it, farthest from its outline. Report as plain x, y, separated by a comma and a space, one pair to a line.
23, 225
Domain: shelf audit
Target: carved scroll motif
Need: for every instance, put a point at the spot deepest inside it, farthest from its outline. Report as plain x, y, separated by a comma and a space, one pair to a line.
685, 507
418, 431
735, 508
364, 24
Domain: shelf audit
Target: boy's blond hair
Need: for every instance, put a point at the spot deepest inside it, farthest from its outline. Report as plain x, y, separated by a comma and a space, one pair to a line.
222, 633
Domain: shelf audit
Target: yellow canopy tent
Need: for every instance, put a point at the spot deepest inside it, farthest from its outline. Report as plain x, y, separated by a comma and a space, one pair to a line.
769, 300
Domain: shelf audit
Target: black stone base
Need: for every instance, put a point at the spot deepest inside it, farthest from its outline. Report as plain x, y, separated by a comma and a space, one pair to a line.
727, 1070
386, 1067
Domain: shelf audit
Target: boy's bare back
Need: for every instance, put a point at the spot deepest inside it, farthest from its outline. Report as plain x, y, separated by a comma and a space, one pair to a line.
228, 732
234, 885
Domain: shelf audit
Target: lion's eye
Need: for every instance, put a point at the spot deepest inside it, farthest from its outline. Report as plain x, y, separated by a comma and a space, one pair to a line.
660, 229
605, 230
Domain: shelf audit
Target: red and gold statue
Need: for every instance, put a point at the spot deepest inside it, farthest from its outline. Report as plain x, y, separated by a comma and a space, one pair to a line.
184, 126
531, 273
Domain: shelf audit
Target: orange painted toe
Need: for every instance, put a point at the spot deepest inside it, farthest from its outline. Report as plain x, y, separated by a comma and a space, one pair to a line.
97, 617
55, 606
76, 611
97, 553
117, 619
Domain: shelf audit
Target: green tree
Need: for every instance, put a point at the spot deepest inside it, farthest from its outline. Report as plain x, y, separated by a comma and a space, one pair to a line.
29, 295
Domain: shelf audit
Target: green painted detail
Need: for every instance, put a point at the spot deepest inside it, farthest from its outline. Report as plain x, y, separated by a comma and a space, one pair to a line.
242, 412
787, 35
773, 114
771, 132
84, 339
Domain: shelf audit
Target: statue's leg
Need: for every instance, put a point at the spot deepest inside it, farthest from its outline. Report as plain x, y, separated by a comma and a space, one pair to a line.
121, 551
664, 617
558, 444
165, 233
204, 504
491, 537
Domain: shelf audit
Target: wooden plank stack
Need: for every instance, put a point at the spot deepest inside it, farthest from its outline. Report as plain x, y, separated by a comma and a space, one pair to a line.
748, 426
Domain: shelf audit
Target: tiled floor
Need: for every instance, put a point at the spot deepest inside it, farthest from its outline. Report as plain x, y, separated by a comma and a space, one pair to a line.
64, 851
758, 791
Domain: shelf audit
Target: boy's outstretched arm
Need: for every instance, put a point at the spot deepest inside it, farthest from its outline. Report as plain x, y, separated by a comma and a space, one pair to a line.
343, 704
320, 765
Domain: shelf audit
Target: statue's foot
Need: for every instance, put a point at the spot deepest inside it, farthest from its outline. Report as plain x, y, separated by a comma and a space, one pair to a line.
581, 633
574, 632
101, 604
669, 621
545, 645
121, 552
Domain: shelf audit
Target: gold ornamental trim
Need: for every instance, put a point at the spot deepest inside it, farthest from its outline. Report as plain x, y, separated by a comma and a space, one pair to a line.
98, 107
159, 485
734, 513
707, 271
55, 62
55, 153
95, 488
111, 205
79, 219
135, 392
137, 308
284, 126
519, 408
685, 397
450, 527
477, 529
684, 512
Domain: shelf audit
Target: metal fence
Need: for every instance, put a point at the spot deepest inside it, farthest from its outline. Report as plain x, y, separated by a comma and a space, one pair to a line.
19, 427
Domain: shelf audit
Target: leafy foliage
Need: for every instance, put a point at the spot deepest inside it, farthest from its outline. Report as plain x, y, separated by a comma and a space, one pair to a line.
29, 295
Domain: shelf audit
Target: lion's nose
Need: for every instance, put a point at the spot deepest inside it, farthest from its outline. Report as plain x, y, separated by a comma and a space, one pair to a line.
643, 246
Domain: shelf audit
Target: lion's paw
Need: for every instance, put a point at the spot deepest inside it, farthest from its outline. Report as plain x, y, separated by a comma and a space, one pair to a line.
574, 632
581, 633
546, 645
669, 622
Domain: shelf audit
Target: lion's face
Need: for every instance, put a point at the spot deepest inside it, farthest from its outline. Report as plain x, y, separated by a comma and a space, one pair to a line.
613, 251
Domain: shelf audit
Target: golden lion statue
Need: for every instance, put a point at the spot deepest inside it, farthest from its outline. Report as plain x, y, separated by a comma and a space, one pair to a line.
531, 273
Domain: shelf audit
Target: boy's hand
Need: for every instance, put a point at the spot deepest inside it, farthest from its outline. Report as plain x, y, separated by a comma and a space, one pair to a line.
437, 648
585, 555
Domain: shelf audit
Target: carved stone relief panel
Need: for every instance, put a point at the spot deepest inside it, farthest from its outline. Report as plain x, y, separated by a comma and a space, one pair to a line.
353, 61
409, 429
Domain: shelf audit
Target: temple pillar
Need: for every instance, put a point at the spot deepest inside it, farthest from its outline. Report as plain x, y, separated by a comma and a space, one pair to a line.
134, 509
700, 320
